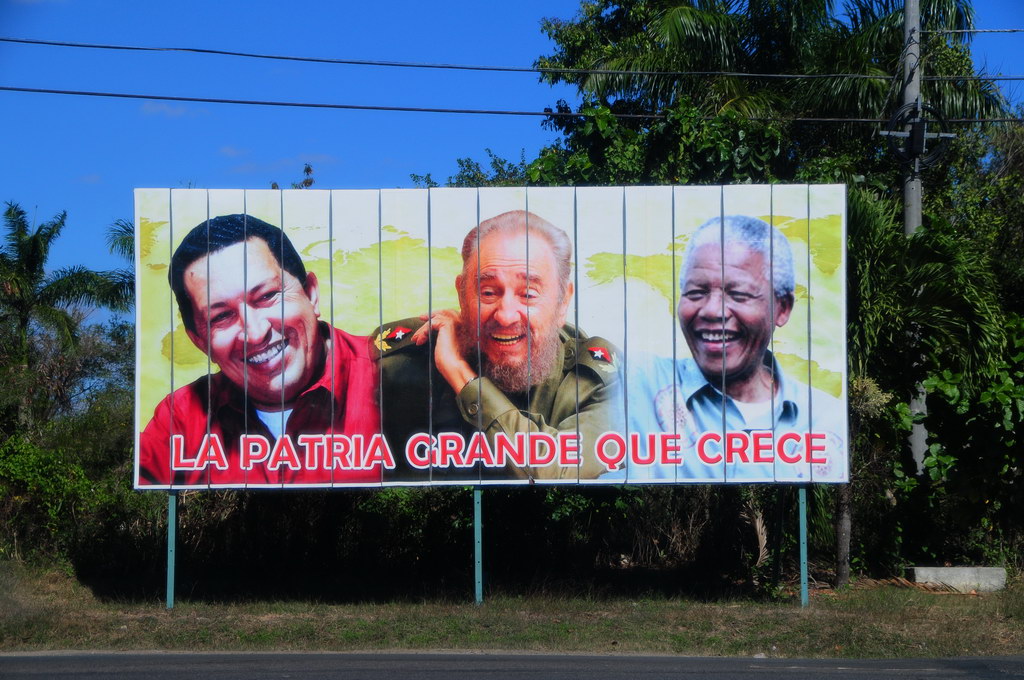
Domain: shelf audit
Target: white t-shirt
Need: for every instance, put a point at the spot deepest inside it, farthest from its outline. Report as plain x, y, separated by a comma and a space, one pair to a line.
275, 421
757, 415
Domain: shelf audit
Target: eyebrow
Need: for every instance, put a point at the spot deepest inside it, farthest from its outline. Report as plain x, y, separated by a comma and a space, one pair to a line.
269, 281
489, 275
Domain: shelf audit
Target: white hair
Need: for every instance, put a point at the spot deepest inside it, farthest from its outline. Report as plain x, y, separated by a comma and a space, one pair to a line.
516, 221
754, 234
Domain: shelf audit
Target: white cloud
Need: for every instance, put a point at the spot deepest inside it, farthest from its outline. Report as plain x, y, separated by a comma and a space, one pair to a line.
165, 109
232, 151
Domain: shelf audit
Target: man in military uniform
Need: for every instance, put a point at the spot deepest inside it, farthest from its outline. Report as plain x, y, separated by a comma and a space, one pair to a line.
506, 362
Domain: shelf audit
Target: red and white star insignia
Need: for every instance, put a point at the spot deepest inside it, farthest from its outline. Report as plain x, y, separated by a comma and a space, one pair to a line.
399, 333
600, 353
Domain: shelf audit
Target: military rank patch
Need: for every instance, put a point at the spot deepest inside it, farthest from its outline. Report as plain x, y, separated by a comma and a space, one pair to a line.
394, 334
378, 341
605, 359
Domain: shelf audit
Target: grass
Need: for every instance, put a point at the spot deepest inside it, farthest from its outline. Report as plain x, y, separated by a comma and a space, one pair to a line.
49, 610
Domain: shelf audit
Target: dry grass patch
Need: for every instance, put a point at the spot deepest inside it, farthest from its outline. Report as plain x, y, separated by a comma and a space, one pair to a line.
48, 610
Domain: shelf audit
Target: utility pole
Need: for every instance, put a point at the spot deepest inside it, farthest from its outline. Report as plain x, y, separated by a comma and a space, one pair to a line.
909, 138
912, 188
910, 124
912, 96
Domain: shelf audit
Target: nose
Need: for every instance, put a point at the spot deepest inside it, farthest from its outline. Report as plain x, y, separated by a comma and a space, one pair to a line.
509, 310
713, 307
256, 325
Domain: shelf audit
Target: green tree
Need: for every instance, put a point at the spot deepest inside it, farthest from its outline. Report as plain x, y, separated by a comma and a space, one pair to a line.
305, 183
981, 190
937, 289
718, 40
684, 147
29, 294
121, 242
500, 172
651, 42
975, 464
716, 126
933, 287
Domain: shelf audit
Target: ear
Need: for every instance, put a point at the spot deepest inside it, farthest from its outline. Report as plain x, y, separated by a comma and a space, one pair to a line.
783, 308
569, 290
312, 288
460, 291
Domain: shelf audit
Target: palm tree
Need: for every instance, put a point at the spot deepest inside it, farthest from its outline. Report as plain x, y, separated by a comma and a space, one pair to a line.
933, 288
121, 242
29, 294
788, 37
651, 42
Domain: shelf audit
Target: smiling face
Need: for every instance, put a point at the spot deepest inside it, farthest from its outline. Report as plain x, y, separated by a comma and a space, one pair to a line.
518, 307
728, 313
259, 322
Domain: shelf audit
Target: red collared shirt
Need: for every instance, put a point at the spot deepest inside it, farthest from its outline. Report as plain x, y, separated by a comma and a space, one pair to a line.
342, 402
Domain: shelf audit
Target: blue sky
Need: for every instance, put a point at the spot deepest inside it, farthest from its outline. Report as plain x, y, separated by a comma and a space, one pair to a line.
86, 155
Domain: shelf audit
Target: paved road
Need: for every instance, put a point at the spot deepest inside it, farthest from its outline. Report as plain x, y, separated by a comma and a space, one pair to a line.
434, 666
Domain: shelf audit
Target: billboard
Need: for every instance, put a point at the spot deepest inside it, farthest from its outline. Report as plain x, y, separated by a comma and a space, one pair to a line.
583, 335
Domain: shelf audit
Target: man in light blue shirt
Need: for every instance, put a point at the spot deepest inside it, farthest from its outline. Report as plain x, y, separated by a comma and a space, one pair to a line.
729, 413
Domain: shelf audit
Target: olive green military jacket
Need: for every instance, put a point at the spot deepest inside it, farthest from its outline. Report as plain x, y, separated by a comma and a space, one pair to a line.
415, 398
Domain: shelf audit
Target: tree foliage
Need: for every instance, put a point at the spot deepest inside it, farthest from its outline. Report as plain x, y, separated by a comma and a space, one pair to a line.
932, 287
306, 182
500, 172
932, 307
724, 45
684, 147
29, 293
733, 49
37, 305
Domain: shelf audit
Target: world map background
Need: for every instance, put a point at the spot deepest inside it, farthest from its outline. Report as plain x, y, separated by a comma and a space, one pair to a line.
390, 254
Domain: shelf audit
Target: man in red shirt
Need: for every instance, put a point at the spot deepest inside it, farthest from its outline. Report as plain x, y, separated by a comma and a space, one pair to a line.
295, 399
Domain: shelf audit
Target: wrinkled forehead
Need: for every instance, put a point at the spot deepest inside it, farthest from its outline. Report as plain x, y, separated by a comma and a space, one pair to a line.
731, 259
519, 253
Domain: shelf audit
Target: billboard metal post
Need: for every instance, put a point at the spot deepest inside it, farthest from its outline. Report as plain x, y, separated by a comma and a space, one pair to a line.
478, 548
172, 531
803, 546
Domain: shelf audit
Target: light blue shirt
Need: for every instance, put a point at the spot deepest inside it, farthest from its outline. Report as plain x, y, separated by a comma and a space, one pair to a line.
674, 397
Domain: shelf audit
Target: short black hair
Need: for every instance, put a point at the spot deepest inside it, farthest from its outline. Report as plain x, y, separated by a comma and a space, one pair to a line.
220, 232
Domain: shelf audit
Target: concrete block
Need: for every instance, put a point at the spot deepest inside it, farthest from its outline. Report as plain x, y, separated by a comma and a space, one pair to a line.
963, 579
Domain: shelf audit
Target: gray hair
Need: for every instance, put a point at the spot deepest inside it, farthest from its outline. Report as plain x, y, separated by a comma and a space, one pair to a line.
754, 234
522, 221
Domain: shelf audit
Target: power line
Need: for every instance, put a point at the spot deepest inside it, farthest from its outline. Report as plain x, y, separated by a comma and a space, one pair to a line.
959, 78
501, 69
314, 105
978, 30
457, 67
422, 109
